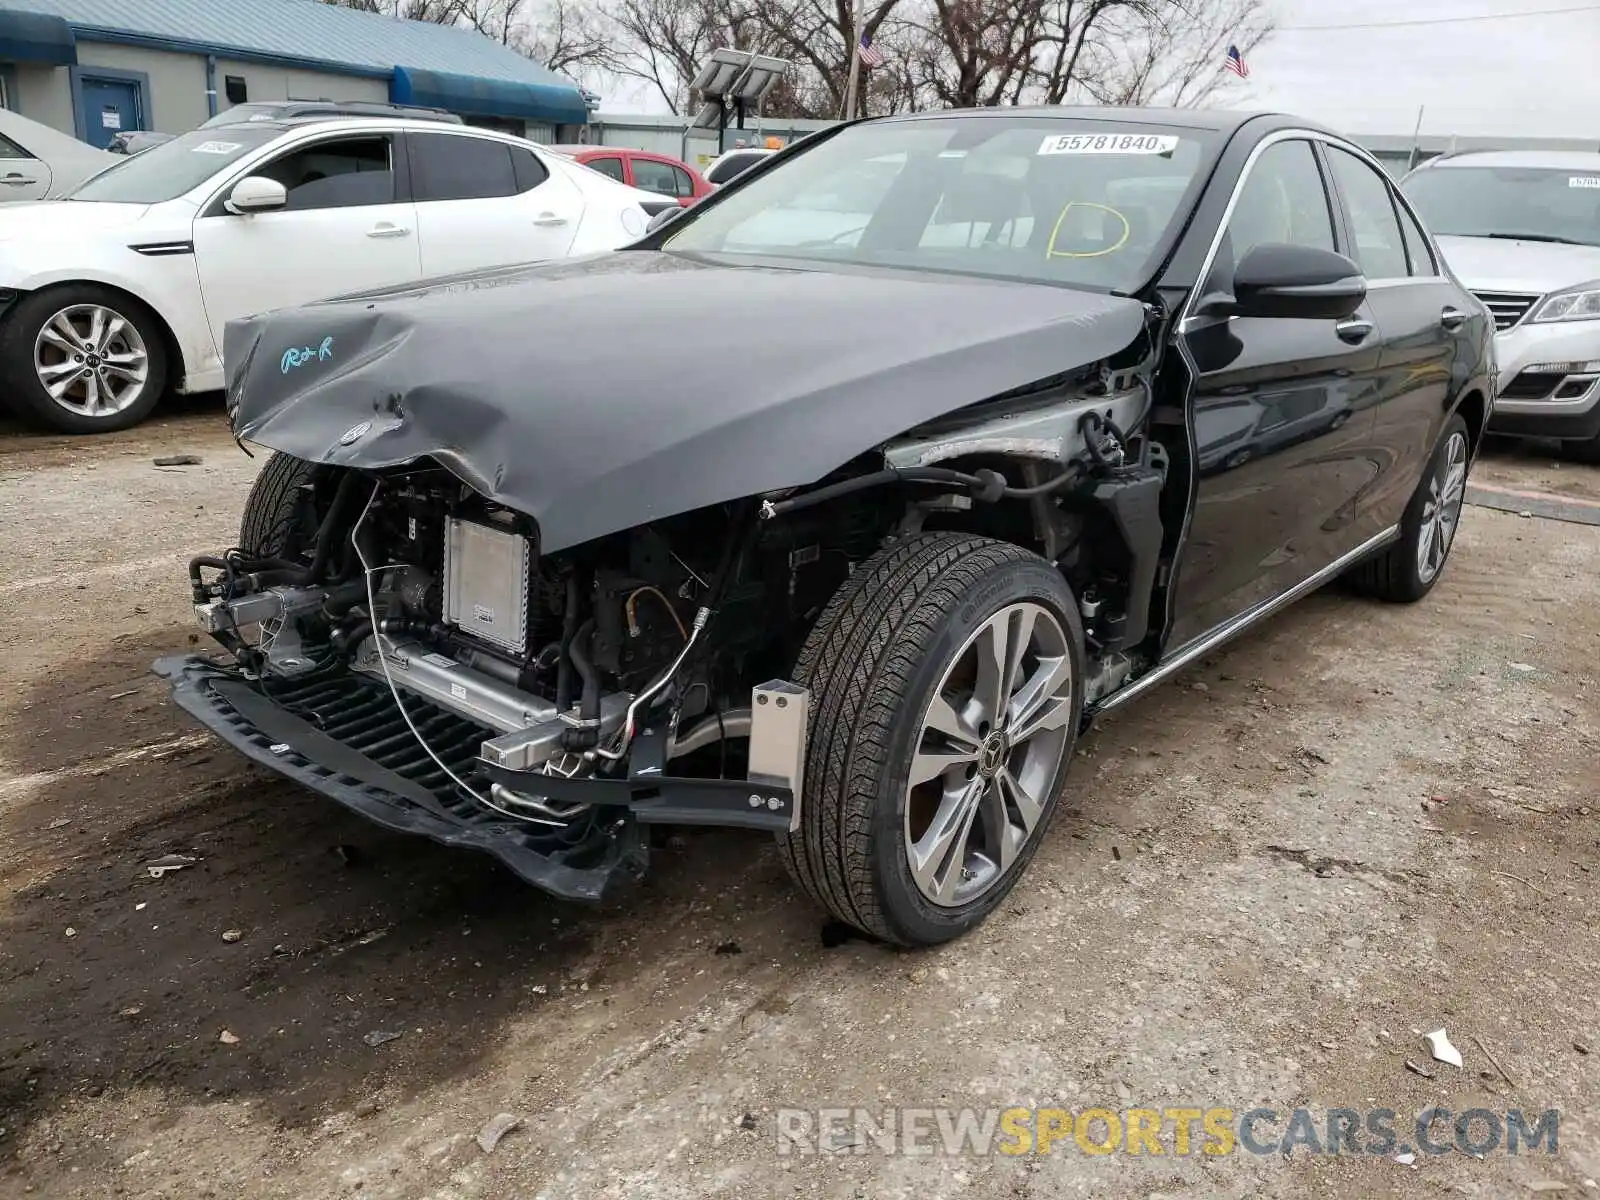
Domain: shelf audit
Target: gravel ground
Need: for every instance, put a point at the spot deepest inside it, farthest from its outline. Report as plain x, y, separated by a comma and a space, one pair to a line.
1271, 876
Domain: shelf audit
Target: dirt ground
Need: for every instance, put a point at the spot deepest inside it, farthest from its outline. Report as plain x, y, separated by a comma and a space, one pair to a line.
1272, 875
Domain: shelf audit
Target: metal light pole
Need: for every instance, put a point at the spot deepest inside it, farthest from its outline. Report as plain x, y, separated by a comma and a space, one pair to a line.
853, 47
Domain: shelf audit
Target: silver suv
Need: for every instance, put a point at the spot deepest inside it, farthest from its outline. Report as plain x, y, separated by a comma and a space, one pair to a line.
1522, 230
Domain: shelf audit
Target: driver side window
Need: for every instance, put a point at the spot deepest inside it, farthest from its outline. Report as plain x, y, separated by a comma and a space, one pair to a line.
1283, 200
337, 173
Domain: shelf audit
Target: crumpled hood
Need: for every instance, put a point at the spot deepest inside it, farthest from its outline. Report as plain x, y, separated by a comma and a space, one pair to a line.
602, 393
1500, 265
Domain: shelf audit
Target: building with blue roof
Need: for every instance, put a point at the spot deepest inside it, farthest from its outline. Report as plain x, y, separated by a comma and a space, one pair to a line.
97, 67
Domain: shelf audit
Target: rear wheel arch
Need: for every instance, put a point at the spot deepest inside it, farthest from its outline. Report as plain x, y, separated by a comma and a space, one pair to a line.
177, 360
1473, 408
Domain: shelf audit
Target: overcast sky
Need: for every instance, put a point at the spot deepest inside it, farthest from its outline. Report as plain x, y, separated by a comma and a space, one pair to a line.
1533, 75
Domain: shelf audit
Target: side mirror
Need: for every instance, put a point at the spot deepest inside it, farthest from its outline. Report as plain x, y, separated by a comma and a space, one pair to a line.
665, 217
1277, 280
256, 193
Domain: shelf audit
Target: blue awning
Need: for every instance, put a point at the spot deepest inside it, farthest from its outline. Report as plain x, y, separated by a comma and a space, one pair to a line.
36, 38
552, 103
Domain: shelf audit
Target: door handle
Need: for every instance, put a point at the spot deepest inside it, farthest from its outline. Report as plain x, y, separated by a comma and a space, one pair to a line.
387, 231
1353, 329
549, 218
15, 180
1452, 318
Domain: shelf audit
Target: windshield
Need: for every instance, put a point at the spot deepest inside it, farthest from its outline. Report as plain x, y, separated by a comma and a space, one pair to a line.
1079, 203
1534, 202
169, 170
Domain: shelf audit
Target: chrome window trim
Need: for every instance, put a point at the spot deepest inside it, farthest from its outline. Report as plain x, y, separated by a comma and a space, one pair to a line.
1186, 313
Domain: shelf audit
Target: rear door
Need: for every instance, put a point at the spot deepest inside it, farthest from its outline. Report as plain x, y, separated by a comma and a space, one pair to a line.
1417, 308
1281, 410
22, 176
486, 202
347, 227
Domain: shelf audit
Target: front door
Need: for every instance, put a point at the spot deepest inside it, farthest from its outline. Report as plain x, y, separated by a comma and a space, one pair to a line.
1282, 412
110, 106
342, 230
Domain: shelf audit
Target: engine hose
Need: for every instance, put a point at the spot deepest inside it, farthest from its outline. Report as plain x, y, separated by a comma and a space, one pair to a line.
260, 581
197, 585
1099, 432
344, 498
589, 712
569, 629
346, 638
343, 598
985, 485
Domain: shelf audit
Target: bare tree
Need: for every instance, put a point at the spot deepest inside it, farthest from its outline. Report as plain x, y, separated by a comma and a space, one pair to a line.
434, 12
964, 53
558, 33
1173, 55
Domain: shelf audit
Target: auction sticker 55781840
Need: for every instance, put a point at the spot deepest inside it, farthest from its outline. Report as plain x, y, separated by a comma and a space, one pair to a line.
1109, 143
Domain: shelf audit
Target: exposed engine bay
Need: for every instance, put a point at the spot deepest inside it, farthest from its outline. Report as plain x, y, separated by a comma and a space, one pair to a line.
643, 676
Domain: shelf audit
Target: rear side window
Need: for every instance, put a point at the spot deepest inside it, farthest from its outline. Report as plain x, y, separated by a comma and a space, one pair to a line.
9, 149
661, 178
529, 170
726, 168
460, 167
609, 167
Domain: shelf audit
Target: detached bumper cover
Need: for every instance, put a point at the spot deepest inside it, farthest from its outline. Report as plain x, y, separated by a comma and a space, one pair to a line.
281, 737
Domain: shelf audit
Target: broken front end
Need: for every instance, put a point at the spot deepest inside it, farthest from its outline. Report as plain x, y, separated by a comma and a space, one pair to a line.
403, 647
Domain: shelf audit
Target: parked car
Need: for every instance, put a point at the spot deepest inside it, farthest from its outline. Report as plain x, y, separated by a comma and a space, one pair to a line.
300, 110
726, 167
657, 173
37, 163
136, 141
1522, 230
509, 588
123, 289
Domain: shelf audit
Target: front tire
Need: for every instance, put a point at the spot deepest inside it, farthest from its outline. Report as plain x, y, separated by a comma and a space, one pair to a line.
83, 359
1408, 569
280, 517
946, 677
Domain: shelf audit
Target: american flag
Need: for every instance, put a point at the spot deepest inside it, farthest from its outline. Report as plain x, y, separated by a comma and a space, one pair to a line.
871, 56
1235, 63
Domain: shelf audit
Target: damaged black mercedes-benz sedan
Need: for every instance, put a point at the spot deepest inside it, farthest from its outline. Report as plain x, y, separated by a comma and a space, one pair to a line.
1029, 409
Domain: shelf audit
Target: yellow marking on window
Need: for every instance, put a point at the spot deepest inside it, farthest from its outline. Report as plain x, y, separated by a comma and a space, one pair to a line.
1127, 232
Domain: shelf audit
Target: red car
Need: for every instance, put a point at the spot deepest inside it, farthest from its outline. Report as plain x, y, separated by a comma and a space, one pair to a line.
639, 168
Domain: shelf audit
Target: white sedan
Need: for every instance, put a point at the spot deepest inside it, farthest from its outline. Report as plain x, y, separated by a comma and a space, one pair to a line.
36, 162
121, 290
